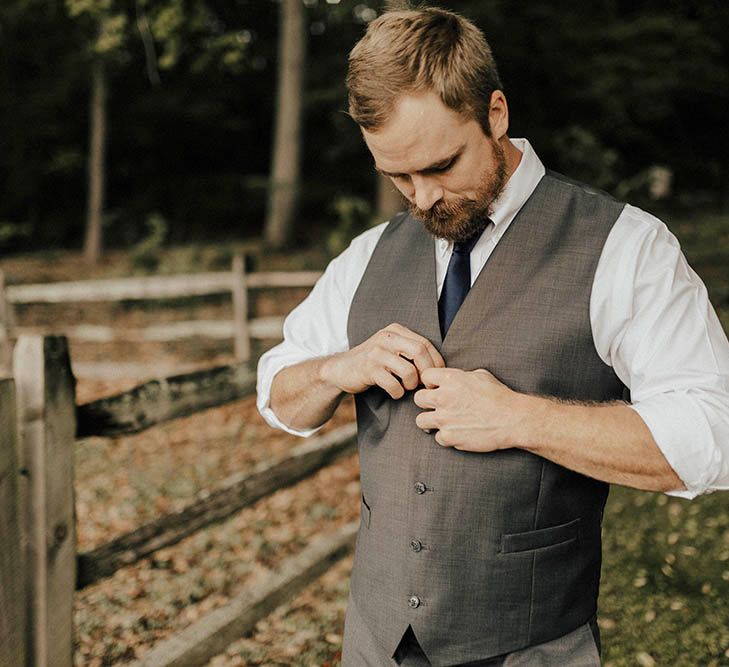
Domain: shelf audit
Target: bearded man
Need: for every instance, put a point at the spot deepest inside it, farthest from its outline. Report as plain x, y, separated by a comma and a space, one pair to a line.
515, 342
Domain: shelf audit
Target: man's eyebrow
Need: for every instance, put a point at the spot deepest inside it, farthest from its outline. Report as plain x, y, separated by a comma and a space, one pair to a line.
430, 168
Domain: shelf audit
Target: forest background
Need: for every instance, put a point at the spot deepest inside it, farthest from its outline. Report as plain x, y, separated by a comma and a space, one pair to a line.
607, 91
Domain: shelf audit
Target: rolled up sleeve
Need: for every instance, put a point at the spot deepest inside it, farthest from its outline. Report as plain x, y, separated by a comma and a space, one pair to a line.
656, 327
317, 327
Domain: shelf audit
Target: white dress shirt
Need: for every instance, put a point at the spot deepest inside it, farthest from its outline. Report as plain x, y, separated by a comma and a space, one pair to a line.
650, 315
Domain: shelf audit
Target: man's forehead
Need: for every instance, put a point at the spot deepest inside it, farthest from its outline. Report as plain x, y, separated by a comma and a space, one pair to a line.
420, 133
416, 157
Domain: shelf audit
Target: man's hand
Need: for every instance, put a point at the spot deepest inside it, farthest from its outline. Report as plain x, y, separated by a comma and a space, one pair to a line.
471, 410
475, 412
394, 359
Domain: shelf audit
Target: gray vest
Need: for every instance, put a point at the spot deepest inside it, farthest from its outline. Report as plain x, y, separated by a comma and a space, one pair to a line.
483, 554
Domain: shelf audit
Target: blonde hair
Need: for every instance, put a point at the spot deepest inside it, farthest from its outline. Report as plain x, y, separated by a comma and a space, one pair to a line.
416, 50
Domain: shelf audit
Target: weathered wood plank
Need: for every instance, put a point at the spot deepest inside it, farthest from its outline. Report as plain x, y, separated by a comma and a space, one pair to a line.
240, 310
137, 371
262, 327
266, 327
160, 400
119, 289
237, 492
13, 618
153, 287
7, 330
283, 278
46, 415
99, 333
201, 641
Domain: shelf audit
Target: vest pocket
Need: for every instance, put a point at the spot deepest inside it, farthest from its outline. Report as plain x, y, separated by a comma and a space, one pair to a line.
365, 512
540, 538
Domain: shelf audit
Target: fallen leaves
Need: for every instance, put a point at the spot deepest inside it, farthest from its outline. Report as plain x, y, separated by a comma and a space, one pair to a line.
130, 480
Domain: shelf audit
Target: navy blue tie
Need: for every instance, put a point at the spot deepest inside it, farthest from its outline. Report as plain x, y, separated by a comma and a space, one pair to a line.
456, 284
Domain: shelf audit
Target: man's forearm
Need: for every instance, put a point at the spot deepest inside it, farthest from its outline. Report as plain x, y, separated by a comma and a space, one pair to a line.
474, 411
609, 442
301, 395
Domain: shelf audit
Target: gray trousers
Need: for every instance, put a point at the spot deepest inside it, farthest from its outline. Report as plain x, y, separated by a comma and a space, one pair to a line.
360, 649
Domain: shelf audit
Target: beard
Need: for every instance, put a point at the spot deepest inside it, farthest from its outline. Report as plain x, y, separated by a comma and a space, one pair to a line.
462, 219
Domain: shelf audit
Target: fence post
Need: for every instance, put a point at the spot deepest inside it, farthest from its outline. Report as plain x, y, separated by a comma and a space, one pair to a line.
7, 327
240, 309
47, 427
12, 591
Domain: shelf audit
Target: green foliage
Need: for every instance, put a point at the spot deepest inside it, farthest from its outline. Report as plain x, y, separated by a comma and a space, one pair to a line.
354, 215
111, 34
144, 256
583, 153
95, 8
705, 242
10, 232
603, 90
108, 26
197, 258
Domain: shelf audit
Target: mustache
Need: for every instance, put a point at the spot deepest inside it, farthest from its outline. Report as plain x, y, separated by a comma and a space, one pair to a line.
443, 211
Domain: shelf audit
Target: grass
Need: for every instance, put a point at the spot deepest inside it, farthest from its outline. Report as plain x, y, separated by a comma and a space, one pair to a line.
665, 583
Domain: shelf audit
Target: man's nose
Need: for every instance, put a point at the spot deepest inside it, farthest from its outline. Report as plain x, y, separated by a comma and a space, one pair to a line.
427, 192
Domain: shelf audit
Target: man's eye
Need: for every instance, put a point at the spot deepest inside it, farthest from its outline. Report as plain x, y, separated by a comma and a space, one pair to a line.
441, 169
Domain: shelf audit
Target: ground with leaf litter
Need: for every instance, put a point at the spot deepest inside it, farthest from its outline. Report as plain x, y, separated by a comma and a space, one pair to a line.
124, 482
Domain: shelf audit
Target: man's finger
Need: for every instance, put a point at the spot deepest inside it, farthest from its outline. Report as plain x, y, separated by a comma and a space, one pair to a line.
411, 349
417, 353
424, 399
436, 360
434, 377
403, 369
389, 383
427, 421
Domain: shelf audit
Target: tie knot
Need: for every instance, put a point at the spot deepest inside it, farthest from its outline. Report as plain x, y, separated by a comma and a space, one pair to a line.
465, 247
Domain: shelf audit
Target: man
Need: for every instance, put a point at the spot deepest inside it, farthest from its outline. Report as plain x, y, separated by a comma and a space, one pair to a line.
490, 336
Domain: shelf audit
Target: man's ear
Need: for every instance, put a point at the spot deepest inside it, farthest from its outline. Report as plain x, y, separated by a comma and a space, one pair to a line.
498, 115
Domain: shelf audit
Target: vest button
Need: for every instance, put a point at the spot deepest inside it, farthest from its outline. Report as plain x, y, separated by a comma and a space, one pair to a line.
414, 602
419, 487
416, 545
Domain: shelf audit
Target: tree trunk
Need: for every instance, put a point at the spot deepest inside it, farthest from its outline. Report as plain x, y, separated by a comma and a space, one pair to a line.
285, 170
389, 200
96, 165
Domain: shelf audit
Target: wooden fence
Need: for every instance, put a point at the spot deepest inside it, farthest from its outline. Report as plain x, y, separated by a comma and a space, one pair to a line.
235, 281
39, 565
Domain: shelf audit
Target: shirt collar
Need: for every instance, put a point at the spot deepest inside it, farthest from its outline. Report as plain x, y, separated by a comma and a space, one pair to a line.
520, 186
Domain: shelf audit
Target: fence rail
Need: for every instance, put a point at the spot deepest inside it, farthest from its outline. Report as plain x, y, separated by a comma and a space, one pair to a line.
161, 400
37, 583
236, 282
260, 328
238, 492
153, 287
